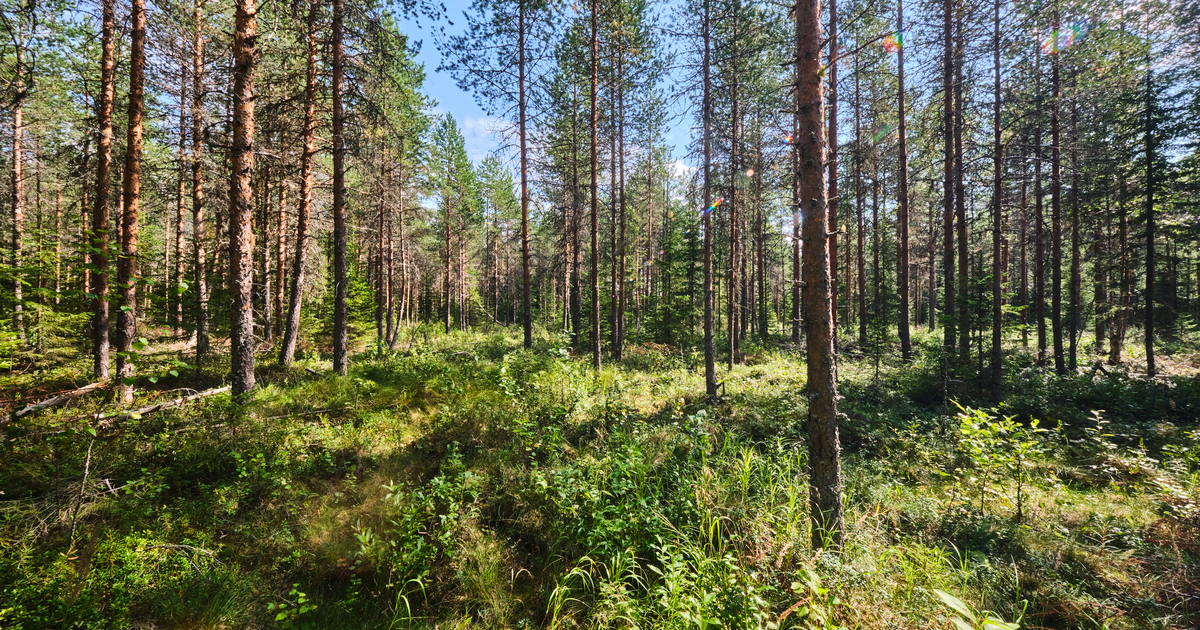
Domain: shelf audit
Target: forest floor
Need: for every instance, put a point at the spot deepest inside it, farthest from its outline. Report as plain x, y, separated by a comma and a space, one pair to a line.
467, 483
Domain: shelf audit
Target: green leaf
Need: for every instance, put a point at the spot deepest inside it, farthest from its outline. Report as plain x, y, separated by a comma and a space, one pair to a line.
173, 372
993, 623
129, 380
960, 624
90, 430
957, 604
152, 379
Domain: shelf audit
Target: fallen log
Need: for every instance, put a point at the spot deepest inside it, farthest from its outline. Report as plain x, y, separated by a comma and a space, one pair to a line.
58, 400
106, 421
312, 371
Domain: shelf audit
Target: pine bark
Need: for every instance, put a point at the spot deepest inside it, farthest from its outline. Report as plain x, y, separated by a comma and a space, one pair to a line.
622, 289
710, 359
595, 13
241, 228
18, 179
902, 265
131, 198
525, 262
960, 200
287, 349
825, 486
1150, 254
1060, 366
175, 297
832, 164
948, 175
198, 229
997, 193
341, 341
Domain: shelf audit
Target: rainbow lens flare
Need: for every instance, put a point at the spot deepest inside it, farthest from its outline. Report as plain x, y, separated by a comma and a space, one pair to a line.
1061, 39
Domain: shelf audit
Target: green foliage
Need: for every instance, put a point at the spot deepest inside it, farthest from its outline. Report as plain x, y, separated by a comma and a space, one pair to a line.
966, 618
470, 481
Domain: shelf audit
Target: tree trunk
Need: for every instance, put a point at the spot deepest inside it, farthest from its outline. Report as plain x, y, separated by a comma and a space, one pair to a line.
832, 161
1100, 240
341, 339
58, 246
287, 350
1125, 268
732, 311
622, 289
525, 263
201, 278
131, 197
1039, 238
960, 201
1150, 271
1076, 280
241, 228
948, 171
595, 186
280, 258
997, 213
902, 210
174, 295
1060, 366
795, 141
825, 486
18, 179
859, 201
710, 366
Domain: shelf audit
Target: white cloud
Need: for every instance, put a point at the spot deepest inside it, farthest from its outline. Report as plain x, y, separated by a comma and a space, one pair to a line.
483, 135
680, 170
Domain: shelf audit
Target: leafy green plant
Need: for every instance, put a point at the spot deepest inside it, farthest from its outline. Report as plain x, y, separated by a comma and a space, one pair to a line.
817, 608
967, 618
995, 443
288, 613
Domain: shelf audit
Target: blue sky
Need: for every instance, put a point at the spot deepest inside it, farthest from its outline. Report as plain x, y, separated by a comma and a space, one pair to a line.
477, 127
481, 132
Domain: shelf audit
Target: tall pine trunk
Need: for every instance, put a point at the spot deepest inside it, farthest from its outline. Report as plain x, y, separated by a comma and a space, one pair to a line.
997, 193
287, 350
198, 232
1060, 365
241, 196
175, 297
832, 160
1150, 259
130, 201
595, 128
525, 263
341, 341
710, 363
825, 485
902, 263
948, 174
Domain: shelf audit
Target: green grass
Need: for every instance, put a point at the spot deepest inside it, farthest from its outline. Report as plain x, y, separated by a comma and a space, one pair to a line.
470, 483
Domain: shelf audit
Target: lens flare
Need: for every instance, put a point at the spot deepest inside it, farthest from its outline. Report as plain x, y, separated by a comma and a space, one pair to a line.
894, 42
713, 207
1061, 39
887, 129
